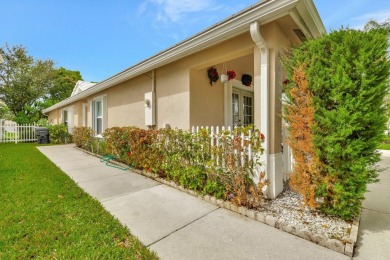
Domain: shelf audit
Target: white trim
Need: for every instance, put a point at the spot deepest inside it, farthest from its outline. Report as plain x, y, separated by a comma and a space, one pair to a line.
274, 175
263, 12
70, 117
103, 100
85, 114
227, 105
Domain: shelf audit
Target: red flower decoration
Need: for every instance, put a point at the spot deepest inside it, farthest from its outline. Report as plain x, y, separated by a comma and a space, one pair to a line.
262, 137
231, 74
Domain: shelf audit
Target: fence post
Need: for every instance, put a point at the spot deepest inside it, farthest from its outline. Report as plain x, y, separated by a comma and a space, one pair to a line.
16, 134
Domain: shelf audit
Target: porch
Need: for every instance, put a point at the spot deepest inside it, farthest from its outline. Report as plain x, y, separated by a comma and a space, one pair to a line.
237, 103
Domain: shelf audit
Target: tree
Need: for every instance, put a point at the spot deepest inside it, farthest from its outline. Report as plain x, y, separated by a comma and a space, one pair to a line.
4, 111
372, 24
23, 81
63, 83
27, 85
348, 78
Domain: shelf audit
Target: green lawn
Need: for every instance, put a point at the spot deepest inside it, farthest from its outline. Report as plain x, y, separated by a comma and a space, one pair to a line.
44, 214
384, 146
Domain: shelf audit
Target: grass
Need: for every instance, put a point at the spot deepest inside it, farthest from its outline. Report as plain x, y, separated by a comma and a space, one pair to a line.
386, 144
44, 214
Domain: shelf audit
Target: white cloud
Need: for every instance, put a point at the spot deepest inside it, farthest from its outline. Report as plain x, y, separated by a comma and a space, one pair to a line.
174, 10
361, 20
174, 20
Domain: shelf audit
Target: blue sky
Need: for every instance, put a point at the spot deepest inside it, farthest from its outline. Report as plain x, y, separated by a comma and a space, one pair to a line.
101, 38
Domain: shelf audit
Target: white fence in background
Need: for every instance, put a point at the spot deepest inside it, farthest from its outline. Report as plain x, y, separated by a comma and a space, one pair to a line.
11, 132
248, 154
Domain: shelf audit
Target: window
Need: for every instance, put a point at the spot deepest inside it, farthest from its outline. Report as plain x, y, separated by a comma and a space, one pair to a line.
99, 119
238, 104
65, 117
242, 107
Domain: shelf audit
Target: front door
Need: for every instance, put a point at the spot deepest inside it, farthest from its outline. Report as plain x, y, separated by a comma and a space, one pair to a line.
242, 107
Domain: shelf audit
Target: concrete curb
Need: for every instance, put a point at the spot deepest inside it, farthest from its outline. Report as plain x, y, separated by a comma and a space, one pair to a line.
385, 153
343, 247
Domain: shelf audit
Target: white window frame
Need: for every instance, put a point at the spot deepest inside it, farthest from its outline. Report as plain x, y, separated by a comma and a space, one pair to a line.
103, 113
228, 91
69, 118
63, 121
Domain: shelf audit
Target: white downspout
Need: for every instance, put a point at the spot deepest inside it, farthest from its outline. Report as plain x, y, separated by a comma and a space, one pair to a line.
264, 92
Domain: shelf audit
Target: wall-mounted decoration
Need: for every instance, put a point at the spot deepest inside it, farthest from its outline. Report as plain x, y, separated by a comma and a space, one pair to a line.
212, 73
231, 74
246, 80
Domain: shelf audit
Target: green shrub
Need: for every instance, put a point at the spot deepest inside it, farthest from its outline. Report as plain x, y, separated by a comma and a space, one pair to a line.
348, 77
82, 136
43, 122
59, 134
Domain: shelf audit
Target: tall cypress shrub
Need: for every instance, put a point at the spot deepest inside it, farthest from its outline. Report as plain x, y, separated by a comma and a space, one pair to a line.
348, 78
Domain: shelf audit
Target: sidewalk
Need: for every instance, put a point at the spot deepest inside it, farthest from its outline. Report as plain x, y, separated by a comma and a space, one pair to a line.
374, 230
177, 225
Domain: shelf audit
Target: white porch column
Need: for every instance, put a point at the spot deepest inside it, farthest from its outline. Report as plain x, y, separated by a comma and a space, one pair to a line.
265, 99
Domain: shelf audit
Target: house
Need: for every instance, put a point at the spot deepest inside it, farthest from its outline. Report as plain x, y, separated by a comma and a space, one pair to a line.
172, 88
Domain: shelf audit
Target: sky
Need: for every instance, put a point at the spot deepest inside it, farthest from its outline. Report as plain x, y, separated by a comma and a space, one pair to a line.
102, 38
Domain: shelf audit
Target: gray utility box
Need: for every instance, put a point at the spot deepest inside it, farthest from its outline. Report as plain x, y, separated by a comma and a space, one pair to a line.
42, 135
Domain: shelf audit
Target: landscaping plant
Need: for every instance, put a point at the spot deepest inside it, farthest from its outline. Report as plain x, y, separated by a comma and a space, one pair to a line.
336, 87
82, 136
194, 160
59, 134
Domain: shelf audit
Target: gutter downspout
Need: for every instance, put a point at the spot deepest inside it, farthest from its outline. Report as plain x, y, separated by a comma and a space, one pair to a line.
264, 93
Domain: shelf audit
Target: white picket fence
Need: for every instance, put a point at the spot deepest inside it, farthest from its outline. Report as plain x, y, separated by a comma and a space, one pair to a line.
11, 132
248, 154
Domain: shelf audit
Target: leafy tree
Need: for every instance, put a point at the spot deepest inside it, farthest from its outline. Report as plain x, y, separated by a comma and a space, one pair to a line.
4, 111
63, 83
348, 78
23, 80
27, 85
372, 24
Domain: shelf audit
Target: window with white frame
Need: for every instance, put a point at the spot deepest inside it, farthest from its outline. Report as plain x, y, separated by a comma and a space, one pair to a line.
65, 117
98, 109
242, 107
238, 104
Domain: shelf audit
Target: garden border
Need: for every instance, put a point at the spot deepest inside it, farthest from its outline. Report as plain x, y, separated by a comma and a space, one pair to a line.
346, 248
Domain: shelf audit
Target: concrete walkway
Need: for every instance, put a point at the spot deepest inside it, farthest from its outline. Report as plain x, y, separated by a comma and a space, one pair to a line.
374, 230
177, 225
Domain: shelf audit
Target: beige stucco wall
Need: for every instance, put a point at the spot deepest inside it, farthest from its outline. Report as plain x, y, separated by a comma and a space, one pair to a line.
172, 96
53, 117
206, 101
125, 101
